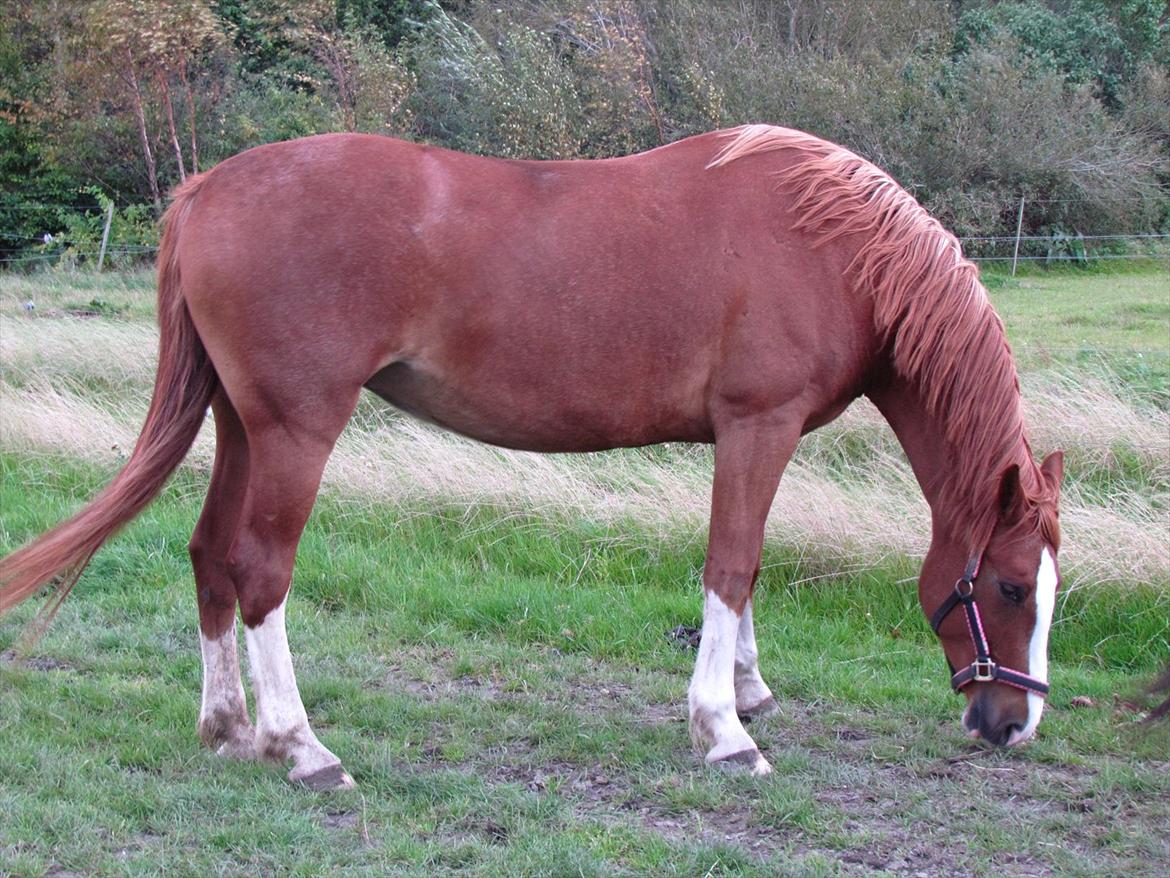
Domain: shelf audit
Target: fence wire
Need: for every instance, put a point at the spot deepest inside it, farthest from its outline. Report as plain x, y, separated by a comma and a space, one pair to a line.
1061, 248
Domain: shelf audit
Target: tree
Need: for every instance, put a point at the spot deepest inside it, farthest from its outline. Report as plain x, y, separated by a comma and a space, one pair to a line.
1099, 42
367, 81
31, 185
156, 40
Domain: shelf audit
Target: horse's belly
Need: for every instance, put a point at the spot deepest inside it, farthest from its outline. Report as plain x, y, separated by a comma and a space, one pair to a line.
525, 416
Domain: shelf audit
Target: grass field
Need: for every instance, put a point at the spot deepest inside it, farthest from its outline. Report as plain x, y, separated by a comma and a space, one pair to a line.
481, 637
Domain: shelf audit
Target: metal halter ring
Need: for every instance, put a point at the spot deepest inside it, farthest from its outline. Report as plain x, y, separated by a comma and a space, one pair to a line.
984, 670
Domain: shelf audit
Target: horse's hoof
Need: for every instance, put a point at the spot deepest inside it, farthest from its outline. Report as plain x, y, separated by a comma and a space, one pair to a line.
767, 707
331, 777
745, 760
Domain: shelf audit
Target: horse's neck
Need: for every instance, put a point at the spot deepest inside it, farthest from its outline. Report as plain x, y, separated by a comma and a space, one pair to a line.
923, 439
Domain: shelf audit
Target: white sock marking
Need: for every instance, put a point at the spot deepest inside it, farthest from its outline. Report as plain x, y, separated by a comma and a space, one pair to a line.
714, 722
278, 702
223, 690
280, 715
750, 688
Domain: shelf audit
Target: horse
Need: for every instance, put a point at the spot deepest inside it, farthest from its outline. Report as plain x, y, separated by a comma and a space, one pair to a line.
740, 288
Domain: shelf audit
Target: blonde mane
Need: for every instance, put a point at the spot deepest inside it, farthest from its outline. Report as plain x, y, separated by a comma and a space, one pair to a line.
931, 311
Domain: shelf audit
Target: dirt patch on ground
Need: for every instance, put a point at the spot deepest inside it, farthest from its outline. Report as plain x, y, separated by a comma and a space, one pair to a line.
35, 662
897, 814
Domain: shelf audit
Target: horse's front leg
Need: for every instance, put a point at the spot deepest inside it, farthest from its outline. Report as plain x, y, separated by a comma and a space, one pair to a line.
753, 698
750, 455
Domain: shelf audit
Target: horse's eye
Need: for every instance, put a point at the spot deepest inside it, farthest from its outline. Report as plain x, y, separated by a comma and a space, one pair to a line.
1011, 591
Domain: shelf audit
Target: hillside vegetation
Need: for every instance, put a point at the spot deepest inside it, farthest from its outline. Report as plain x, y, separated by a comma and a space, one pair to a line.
971, 104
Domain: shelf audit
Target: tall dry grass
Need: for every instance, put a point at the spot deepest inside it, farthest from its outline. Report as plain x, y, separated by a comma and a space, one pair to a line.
80, 387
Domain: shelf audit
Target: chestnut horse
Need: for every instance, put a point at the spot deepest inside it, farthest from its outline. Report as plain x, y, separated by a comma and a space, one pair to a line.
741, 287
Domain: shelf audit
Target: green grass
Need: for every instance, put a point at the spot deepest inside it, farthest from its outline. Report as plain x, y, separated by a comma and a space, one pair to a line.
1115, 323
112, 294
478, 673
501, 686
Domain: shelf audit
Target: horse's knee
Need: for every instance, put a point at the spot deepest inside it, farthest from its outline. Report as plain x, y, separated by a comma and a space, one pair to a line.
732, 583
260, 586
260, 597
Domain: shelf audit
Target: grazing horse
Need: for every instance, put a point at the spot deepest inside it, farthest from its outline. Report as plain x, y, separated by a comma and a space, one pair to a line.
741, 287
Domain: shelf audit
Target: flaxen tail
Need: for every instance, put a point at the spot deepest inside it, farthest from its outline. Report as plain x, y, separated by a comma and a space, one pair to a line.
183, 389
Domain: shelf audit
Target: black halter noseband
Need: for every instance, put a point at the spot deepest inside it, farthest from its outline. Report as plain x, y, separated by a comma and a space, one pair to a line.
984, 669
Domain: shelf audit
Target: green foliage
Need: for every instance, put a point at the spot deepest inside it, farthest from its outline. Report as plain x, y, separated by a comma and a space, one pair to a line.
132, 239
30, 191
1086, 41
511, 96
971, 104
262, 109
1008, 125
257, 29
392, 20
31, 185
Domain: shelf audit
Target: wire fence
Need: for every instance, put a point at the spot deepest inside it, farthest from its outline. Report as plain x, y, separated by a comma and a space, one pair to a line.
1063, 248
141, 251
23, 250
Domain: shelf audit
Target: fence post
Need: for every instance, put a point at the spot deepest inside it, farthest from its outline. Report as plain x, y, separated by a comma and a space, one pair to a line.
105, 235
1019, 226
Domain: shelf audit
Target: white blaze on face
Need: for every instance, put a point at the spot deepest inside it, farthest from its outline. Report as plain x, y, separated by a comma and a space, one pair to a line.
1046, 581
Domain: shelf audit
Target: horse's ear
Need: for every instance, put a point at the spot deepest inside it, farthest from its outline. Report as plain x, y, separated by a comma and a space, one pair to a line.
1011, 497
1053, 469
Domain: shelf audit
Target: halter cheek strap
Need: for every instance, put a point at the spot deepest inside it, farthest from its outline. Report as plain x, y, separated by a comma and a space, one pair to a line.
984, 669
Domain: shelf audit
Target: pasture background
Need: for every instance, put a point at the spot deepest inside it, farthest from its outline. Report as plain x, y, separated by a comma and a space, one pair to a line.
481, 637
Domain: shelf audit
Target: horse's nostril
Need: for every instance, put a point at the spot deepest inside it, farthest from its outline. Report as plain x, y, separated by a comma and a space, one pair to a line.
993, 729
973, 717
1003, 734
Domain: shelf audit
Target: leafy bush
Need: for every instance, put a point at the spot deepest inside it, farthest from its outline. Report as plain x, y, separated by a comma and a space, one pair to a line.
511, 96
133, 236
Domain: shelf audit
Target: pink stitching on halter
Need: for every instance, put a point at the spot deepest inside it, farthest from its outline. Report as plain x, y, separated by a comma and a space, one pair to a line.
980, 638
1021, 686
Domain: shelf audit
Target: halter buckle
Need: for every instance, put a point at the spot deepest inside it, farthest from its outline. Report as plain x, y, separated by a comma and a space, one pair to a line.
964, 588
984, 670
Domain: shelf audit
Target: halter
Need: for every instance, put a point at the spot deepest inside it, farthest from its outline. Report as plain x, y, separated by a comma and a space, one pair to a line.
984, 669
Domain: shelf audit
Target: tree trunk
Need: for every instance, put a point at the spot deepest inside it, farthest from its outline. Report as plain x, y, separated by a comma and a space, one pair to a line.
151, 171
190, 114
170, 108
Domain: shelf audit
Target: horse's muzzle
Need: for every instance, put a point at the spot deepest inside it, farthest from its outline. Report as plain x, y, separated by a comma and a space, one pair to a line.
984, 719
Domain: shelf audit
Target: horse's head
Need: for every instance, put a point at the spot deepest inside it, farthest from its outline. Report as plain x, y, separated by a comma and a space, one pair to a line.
994, 620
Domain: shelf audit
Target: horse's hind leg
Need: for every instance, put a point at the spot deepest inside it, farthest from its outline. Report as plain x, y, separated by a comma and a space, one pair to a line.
750, 455
285, 462
223, 714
